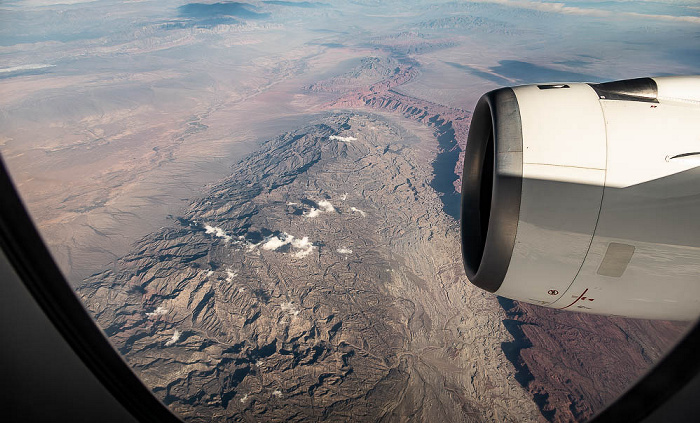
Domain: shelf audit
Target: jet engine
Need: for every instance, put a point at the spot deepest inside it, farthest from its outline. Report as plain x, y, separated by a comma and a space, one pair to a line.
586, 197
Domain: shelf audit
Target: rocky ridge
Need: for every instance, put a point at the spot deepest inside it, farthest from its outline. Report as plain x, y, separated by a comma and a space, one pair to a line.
411, 42
575, 364
370, 71
451, 125
466, 22
321, 281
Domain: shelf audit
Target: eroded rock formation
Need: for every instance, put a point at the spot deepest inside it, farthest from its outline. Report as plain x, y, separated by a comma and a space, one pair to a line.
321, 281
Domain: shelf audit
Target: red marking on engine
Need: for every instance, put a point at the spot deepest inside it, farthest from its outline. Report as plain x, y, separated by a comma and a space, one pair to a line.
576, 300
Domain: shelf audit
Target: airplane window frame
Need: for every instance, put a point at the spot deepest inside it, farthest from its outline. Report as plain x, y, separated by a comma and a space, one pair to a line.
31, 259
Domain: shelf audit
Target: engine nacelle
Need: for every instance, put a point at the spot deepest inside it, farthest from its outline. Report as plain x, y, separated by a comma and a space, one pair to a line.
586, 197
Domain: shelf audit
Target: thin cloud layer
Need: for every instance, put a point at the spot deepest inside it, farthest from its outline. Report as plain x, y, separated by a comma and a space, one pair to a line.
25, 68
326, 206
157, 312
356, 210
174, 339
304, 245
230, 275
275, 242
289, 308
344, 139
562, 8
217, 232
312, 213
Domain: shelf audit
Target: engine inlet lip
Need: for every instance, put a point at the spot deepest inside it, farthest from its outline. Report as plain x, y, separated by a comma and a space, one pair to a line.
491, 188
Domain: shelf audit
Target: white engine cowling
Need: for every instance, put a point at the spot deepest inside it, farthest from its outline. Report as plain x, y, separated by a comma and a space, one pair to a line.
586, 197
